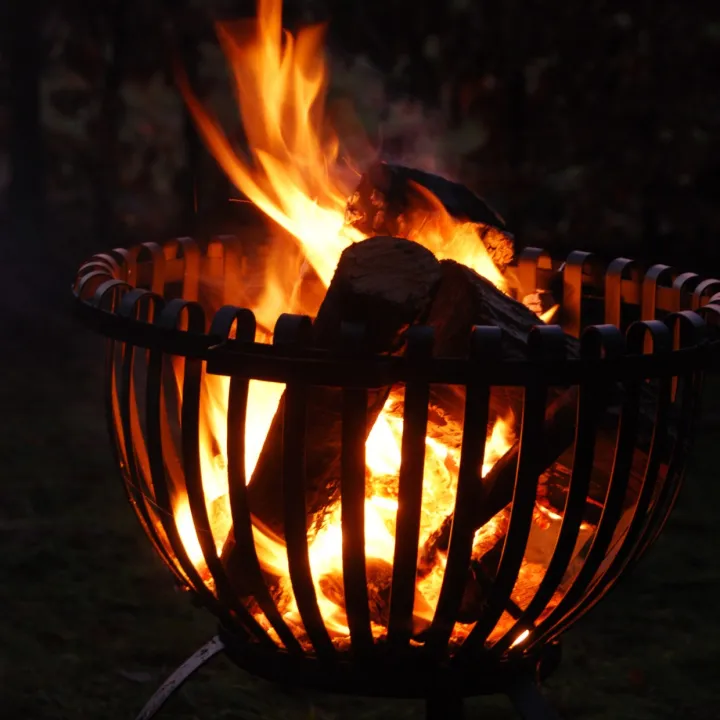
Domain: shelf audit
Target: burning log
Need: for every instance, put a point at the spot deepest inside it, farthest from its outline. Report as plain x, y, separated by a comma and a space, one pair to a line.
402, 202
465, 299
379, 579
385, 284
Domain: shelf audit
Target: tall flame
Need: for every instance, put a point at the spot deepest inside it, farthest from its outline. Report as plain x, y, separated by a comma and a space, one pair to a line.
291, 172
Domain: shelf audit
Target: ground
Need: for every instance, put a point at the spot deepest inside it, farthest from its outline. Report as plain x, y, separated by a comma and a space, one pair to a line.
92, 623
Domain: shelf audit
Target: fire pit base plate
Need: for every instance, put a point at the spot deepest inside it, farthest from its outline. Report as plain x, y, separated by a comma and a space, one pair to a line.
446, 702
479, 675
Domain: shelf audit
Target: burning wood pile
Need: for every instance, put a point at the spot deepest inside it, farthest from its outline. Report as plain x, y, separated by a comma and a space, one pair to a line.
403, 248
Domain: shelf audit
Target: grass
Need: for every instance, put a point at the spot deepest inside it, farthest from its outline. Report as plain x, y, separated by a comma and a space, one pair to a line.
92, 623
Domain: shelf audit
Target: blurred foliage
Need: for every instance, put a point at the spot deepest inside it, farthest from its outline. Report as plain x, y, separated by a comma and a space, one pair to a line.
589, 125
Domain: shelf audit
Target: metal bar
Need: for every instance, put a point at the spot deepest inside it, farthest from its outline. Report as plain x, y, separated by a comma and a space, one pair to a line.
190, 444
158, 454
610, 515
129, 268
485, 345
158, 451
549, 342
155, 276
595, 342
352, 487
191, 257
129, 305
295, 331
295, 515
703, 291
529, 261
179, 676
572, 291
412, 467
247, 575
352, 508
684, 284
615, 565
613, 289
687, 329
115, 352
648, 304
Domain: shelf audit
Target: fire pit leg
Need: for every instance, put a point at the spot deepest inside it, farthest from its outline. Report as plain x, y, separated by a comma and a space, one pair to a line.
173, 683
529, 702
444, 707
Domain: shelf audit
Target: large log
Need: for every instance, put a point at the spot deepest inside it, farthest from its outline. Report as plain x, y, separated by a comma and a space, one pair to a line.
385, 284
405, 202
465, 299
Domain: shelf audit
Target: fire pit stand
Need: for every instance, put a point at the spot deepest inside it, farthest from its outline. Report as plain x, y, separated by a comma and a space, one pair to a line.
523, 692
645, 337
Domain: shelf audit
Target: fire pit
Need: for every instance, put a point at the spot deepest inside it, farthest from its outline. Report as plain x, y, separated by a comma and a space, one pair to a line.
361, 445
451, 609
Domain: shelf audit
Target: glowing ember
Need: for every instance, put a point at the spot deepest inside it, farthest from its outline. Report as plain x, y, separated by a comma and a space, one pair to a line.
294, 177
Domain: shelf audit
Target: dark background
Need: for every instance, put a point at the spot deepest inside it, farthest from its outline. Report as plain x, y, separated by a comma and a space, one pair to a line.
589, 125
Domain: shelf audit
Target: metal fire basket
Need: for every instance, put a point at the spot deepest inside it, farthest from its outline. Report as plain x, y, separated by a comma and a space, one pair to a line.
652, 332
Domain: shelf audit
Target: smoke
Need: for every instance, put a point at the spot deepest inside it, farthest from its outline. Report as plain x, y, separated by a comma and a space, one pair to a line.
398, 127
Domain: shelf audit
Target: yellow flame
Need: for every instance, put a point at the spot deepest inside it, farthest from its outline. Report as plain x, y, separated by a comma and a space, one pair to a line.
521, 638
280, 82
549, 314
500, 441
186, 529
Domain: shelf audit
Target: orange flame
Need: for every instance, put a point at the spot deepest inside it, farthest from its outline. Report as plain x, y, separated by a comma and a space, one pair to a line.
292, 174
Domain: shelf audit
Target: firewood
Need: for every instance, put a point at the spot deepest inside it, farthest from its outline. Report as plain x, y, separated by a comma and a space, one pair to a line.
385, 284
465, 299
554, 476
401, 201
379, 577
379, 580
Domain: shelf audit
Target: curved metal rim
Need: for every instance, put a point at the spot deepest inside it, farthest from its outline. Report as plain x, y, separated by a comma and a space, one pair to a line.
279, 364
107, 275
